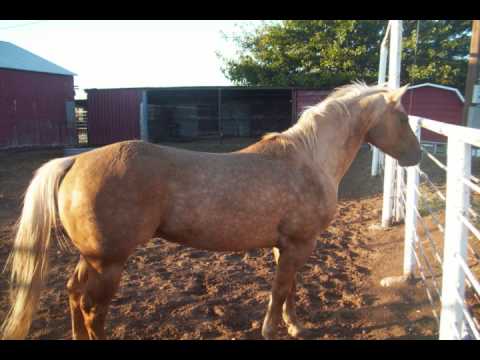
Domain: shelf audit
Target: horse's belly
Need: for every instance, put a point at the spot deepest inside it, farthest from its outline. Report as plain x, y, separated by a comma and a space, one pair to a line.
229, 208
227, 232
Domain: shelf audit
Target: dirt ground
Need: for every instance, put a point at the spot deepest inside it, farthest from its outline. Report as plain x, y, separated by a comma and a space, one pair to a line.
170, 291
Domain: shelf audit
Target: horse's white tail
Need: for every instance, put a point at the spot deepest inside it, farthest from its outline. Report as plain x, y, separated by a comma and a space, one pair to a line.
29, 257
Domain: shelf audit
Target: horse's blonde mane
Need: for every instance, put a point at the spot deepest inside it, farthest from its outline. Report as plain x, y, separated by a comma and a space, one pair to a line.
336, 104
357, 88
343, 96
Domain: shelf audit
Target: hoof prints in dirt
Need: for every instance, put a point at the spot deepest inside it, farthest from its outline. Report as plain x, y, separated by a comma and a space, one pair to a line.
173, 292
169, 291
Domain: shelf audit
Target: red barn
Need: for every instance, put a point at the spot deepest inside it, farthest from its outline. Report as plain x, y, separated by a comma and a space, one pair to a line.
36, 100
171, 113
113, 115
147, 113
303, 99
436, 102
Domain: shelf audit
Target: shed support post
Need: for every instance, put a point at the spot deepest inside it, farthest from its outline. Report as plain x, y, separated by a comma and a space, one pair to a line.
71, 136
293, 97
220, 126
144, 117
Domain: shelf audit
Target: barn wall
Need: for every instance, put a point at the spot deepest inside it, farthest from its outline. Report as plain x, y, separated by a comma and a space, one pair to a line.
113, 115
192, 113
436, 104
255, 112
33, 109
305, 98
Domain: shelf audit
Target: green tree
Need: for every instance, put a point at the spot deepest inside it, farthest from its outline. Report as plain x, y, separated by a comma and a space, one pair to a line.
328, 53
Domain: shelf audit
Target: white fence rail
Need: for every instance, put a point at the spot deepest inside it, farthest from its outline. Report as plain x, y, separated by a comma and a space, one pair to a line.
455, 320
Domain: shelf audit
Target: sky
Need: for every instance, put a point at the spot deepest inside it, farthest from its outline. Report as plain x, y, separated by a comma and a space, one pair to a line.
110, 54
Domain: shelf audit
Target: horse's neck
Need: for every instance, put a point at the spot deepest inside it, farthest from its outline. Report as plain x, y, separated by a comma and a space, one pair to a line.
338, 141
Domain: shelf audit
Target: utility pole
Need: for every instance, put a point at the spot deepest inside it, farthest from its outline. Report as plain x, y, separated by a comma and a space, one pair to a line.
471, 110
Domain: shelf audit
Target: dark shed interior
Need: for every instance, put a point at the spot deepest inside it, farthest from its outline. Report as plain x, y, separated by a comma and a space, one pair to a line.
192, 113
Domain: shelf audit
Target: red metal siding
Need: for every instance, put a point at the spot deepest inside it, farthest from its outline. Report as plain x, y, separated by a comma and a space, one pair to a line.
33, 108
306, 98
113, 115
436, 104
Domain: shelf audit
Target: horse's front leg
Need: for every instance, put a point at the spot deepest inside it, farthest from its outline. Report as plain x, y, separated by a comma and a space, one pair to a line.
291, 256
289, 313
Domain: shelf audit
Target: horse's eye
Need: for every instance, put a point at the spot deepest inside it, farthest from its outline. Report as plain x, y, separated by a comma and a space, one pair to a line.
403, 117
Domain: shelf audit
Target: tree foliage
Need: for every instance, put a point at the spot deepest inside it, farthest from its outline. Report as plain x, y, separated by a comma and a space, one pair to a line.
328, 53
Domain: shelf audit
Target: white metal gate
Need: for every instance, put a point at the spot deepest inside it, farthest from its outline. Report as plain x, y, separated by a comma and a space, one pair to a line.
455, 320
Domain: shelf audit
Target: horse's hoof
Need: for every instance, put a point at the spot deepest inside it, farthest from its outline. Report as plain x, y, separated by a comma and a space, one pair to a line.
268, 334
296, 330
394, 280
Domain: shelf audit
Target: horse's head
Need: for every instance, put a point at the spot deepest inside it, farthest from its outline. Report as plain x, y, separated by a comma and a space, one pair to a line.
390, 130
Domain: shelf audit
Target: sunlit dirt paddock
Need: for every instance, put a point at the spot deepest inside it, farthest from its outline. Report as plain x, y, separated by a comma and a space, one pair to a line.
170, 291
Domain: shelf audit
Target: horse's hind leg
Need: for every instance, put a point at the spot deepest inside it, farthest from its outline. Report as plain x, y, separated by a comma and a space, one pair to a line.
289, 313
93, 290
292, 256
76, 287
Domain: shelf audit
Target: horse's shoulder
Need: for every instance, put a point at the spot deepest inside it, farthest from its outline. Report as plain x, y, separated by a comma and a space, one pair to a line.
320, 190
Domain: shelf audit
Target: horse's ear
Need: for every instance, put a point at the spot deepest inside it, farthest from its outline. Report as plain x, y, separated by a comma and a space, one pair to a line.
395, 96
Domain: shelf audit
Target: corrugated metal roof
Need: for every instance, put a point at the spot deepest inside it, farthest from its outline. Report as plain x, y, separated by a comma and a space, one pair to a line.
14, 57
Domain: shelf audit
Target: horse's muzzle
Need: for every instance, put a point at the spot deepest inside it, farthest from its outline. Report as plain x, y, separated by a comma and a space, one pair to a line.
410, 159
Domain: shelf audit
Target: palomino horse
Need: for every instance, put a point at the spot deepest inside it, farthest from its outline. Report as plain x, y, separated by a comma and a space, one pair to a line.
279, 193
